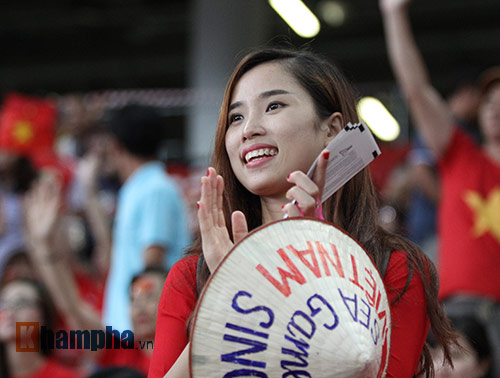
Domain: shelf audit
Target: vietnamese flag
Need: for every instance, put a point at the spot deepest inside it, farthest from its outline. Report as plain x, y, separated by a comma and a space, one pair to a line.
27, 124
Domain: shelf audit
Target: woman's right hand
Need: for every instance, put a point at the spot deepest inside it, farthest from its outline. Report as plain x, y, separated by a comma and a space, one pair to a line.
216, 242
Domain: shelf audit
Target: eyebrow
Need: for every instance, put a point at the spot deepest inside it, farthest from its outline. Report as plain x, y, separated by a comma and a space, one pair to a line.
266, 94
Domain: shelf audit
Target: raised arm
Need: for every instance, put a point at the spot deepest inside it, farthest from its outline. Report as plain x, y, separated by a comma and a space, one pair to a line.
99, 223
430, 112
42, 216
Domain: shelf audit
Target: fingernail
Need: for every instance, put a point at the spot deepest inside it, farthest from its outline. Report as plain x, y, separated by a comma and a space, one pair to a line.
208, 171
326, 154
288, 177
198, 204
282, 207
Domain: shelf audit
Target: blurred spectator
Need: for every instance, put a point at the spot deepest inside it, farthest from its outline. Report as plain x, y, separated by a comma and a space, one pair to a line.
188, 180
95, 209
16, 176
23, 300
423, 196
18, 265
150, 228
421, 213
464, 101
114, 372
469, 213
144, 290
472, 359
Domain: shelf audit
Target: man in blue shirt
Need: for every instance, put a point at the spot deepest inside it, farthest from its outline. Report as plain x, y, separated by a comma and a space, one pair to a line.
150, 227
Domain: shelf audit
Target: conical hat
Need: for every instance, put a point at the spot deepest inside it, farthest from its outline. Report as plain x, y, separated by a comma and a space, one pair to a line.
295, 298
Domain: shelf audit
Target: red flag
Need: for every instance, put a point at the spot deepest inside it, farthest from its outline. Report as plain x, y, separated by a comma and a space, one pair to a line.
27, 124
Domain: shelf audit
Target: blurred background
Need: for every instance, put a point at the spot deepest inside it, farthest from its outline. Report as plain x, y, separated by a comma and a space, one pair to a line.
81, 58
185, 50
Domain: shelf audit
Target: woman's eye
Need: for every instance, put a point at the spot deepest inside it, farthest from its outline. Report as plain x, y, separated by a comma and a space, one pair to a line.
274, 106
235, 117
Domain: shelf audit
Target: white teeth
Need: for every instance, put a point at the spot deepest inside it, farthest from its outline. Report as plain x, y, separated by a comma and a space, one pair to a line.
260, 153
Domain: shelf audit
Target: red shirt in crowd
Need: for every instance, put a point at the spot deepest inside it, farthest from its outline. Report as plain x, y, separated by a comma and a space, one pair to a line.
409, 316
91, 289
51, 369
469, 220
133, 358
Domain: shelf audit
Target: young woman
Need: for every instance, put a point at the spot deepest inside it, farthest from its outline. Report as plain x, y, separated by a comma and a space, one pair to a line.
280, 110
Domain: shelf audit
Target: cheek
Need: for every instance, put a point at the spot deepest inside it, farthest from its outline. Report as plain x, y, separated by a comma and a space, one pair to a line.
231, 144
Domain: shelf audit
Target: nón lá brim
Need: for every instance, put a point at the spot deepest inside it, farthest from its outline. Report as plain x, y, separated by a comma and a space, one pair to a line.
295, 298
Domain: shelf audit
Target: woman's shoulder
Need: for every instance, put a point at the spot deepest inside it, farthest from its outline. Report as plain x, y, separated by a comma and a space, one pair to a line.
400, 276
183, 273
186, 263
398, 257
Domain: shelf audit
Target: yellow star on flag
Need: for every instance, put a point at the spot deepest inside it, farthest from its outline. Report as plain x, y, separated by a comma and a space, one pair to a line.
23, 131
487, 212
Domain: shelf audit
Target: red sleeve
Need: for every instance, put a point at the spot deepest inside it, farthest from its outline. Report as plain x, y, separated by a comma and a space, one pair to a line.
177, 302
409, 319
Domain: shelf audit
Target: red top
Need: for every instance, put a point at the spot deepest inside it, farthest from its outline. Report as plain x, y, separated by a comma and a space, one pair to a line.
177, 302
409, 320
132, 358
51, 369
469, 223
91, 289
409, 317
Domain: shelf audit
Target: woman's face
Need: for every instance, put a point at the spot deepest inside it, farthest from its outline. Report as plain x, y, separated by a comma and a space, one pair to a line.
465, 363
19, 302
273, 129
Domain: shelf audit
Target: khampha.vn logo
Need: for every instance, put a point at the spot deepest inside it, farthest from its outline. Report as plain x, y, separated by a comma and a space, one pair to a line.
31, 337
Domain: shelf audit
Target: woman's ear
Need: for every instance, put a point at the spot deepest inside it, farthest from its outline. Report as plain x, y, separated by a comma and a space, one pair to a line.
334, 124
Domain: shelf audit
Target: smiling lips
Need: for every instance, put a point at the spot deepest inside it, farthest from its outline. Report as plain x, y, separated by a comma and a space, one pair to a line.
260, 153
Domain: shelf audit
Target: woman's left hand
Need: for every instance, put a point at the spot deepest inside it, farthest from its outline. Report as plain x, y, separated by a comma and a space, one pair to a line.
305, 195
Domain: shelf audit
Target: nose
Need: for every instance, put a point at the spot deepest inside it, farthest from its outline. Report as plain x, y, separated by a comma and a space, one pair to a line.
253, 127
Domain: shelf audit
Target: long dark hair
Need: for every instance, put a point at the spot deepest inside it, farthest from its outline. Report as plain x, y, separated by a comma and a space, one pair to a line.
48, 319
353, 207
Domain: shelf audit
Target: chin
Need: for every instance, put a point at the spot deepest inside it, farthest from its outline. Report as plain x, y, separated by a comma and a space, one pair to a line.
262, 183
